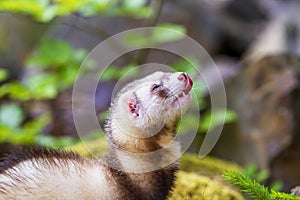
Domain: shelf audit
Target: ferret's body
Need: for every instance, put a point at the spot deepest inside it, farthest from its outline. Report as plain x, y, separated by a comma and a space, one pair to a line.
38, 173
142, 161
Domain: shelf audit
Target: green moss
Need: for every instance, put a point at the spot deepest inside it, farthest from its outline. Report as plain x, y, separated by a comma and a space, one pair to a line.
198, 179
207, 166
190, 186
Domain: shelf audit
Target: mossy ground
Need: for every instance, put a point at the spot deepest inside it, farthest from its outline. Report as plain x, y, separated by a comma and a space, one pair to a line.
191, 186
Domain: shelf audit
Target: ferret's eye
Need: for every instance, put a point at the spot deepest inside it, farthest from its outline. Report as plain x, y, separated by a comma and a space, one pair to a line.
155, 87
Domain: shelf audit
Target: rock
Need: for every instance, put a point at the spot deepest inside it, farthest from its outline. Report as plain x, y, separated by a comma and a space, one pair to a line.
261, 95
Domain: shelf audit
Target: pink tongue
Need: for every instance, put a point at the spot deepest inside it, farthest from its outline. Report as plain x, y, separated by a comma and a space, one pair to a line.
189, 84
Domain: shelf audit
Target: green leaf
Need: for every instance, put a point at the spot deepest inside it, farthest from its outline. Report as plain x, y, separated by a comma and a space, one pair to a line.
276, 186
114, 72
134, 3
188, 65
34, 8
43, 86
128, 11
129, 70
11, 115
162, 34
46, 140
42, 10
103, 116
134, 8
49, 13
15, 90
250, 170
3, 75
263, 175
67, 77
110, 73
79, 55
36, 126
139, 13
46, 10
30, 131
51, 53
5, 132
212, 120
95, 7
59, 64
26, 134
169, 33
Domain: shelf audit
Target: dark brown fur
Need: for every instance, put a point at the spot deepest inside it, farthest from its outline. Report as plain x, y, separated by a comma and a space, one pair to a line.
21, 154
127, 185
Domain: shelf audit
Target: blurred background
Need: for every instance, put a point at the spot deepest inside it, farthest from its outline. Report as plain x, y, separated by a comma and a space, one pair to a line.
255, 44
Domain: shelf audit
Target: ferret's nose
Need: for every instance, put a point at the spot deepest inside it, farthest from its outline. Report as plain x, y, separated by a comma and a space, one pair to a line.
182, 76
185, 77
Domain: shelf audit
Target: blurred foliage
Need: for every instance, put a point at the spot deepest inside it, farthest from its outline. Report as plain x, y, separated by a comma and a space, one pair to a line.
252, 172
11, 128
11, 115
54, 65
56, 142
211, 120
59, 63
15, 131
3, 75
254, 189
115, 73
47, 10
163, 33
53, 68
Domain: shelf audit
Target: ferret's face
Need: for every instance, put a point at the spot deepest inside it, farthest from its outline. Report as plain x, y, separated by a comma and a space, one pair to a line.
158, 100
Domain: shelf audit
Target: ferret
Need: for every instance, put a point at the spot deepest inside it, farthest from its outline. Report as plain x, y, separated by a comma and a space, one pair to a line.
141, 164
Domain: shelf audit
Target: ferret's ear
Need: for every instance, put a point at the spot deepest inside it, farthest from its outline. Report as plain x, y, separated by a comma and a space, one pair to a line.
134, 105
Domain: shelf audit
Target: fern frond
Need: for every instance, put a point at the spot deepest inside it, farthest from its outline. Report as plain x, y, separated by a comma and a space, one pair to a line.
254, 189
249, 186
282, 196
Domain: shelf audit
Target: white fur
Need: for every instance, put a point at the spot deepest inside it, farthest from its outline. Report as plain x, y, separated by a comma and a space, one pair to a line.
154, 111
66, 181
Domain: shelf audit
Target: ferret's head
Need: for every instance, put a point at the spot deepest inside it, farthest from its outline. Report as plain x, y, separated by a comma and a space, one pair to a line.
146, 106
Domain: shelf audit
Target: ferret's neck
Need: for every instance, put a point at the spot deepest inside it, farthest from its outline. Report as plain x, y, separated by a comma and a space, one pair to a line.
141, 177
146, 165
152, 185
136, 154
